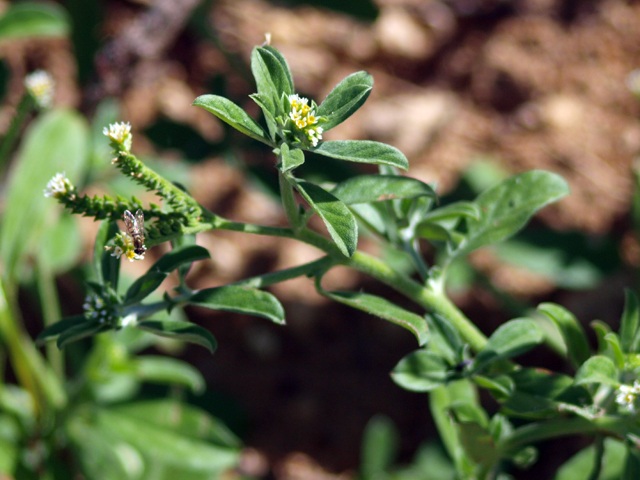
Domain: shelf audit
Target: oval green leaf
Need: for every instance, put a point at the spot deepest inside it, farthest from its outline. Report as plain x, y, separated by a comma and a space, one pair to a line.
107, 266
81, 330
338, 219
290, 158
56, 142
271, 72
182, 418
29, 19
347, 97
453, 211
363, 151
53, 331
375, 188
179, 256
629, 322
382, 308
420, 371
233, 298
509, 340
230, 113
157, 369
144, 286
185, 331
507, 207
178, 455
571, 331
597, 369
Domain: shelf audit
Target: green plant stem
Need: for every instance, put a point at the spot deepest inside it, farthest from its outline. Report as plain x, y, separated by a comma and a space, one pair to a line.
27, 363
536, 432
433, 301
24, 108
412, 248
50, 313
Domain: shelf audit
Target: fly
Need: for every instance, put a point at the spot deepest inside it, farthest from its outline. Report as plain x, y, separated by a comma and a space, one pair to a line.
135, 228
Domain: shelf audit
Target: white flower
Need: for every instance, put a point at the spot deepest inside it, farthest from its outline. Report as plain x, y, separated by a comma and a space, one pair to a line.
58, 186
627, 395
315, 135
119, 133
40, 85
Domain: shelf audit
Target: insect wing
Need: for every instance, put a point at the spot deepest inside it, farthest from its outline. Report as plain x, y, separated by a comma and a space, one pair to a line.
140, 222
130, 222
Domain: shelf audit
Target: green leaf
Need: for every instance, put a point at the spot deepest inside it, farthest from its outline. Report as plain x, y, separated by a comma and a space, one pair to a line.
61, 244
52, 331
382, 308
478, 444
339, 221
268, 110
178, 455
571, 330
182, 418
290, 158
616, 350
54, 143
453, 211
420, 371
501, 386
580, 466
185, 331
233, 298
157, 369
81, 330
375, 188
179, 256
230, 113
270, 70
29, 19
629, 322
363, 151
107, 266
433, 231
440, 401
632, 465
597, 369
379, 447
347, 97
9, 455
285, 66
507, 207
143, 287
509, 340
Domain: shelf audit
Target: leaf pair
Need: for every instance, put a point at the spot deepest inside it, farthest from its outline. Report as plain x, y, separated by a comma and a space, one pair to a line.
424, 370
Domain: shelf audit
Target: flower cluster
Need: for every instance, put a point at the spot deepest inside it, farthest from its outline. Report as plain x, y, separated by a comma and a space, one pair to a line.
123, 245
59, 186
120, 135
303, 117
627, 396
95, 308
40, 85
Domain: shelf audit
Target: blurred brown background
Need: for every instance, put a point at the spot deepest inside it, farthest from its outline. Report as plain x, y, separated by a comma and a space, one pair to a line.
520, 84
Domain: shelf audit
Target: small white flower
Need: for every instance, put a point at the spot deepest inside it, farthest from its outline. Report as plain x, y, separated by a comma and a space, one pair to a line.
117, 252
119, 133
40, 85
58, 186
627, 395
131, 319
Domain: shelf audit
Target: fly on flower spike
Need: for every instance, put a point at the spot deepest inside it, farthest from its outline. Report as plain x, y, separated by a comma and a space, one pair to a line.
135, 228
